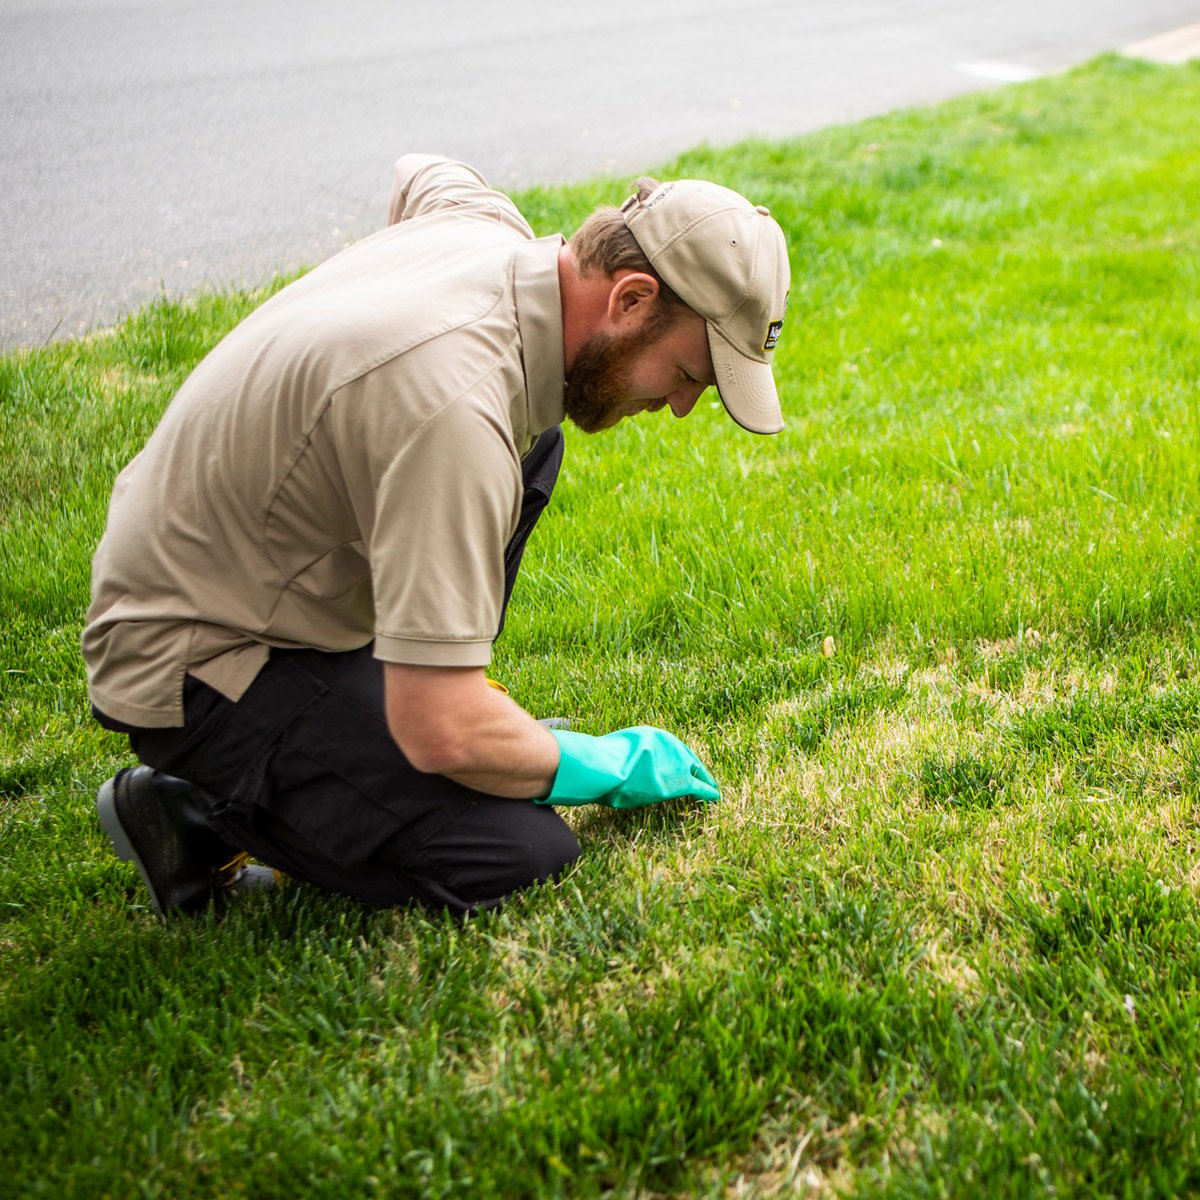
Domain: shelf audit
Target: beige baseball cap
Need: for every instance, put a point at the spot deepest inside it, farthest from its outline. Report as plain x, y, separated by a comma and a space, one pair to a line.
726, 259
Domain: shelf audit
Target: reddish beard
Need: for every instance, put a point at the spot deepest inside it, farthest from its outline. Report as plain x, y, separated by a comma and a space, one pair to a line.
599, 381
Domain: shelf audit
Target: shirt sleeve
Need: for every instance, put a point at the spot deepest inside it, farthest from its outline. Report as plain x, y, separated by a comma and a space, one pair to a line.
424, 183
436, 515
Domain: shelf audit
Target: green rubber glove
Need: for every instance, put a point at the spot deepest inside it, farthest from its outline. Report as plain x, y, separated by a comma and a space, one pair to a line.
627, 769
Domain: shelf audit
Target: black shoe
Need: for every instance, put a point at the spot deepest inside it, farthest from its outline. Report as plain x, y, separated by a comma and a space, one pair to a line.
159, 823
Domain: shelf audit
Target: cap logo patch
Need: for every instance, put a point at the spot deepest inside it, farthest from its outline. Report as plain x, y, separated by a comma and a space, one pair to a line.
773, 331
663, 191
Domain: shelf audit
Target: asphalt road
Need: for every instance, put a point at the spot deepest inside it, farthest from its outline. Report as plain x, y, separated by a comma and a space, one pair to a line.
150, 145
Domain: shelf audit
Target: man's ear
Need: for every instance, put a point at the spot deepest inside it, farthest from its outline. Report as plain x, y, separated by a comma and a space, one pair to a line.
632, 299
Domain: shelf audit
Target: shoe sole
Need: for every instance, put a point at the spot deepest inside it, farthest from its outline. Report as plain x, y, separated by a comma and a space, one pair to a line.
106, 807
253, 878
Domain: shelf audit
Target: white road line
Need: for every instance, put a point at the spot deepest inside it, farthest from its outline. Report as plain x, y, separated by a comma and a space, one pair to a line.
1000, 71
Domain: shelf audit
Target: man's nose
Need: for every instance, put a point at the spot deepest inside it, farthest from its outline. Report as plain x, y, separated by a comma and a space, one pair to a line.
683, 400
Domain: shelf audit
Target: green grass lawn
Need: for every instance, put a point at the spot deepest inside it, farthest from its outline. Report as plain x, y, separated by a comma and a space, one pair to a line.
942, 934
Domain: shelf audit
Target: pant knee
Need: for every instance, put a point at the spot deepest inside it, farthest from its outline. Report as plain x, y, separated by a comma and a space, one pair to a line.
537, 845
539, 859
555, 849
477, 864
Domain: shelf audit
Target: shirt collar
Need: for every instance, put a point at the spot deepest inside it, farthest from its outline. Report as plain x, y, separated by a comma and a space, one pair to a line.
539, 318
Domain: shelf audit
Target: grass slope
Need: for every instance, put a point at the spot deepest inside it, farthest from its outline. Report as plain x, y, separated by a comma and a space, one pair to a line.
941, 935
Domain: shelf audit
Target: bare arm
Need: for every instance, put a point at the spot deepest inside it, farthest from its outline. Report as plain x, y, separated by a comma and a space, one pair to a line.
449, 721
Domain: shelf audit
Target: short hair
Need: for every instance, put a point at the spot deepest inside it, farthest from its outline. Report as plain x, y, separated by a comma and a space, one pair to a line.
604, 243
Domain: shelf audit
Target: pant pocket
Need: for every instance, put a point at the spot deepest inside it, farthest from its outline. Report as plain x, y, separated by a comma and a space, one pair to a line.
253, 728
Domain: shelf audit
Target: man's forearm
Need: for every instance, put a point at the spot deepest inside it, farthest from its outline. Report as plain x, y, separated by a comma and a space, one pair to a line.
449, 721
511, 756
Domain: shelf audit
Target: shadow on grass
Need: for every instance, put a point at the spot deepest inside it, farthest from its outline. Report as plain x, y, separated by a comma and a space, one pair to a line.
654, 824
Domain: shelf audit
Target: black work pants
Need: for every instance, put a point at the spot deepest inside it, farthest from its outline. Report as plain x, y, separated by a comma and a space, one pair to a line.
303, 773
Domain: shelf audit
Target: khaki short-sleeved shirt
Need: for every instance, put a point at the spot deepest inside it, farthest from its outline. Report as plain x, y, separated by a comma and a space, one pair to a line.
344, 465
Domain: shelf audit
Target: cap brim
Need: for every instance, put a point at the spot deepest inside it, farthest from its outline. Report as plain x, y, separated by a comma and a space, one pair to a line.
746, 386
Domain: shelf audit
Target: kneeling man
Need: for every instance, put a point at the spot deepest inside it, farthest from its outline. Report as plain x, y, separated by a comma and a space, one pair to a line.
304, 570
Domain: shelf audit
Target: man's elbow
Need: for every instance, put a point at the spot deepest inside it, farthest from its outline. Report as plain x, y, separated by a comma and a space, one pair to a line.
433, 751
431, 715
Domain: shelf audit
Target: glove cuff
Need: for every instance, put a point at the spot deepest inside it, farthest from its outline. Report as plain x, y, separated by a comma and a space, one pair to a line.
581, 777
